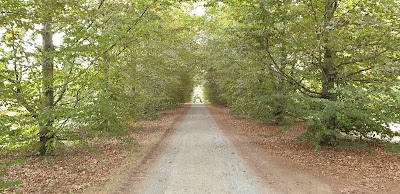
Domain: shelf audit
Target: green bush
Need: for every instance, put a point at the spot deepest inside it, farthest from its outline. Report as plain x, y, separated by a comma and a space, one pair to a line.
355, 113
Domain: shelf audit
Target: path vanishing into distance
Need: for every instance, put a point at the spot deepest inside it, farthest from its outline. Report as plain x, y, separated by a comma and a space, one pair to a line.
199, 158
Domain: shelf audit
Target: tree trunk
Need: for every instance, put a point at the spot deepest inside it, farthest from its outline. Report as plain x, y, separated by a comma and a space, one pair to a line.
329, 73
279, 112
48, 88
328, 67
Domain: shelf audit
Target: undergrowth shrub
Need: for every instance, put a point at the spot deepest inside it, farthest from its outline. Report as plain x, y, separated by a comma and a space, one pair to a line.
354, 114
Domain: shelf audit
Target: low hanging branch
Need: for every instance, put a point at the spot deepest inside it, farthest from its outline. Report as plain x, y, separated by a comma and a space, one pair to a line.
92, 22
363, 59
357, 72
287, 77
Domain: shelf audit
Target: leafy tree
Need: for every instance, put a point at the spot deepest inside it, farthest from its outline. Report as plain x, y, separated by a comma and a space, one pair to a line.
334, 63
109, 68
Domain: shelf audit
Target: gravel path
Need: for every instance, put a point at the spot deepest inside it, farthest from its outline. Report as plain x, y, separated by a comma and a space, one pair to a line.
200, 159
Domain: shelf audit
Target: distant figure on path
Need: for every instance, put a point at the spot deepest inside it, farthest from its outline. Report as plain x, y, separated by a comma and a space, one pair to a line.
197, 98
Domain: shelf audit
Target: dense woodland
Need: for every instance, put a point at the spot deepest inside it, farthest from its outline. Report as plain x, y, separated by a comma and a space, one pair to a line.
72, 70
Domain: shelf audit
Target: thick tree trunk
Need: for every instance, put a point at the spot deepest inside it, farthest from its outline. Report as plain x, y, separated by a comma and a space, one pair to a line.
48, 88
329, 73
280, 88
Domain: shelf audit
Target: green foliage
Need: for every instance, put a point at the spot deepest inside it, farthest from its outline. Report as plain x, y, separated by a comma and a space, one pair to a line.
358, 113
213, 92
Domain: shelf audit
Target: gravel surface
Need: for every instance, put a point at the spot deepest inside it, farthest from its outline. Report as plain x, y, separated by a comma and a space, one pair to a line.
200, 159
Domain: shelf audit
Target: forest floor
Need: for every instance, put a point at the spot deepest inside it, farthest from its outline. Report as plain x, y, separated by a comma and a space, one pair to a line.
273, 154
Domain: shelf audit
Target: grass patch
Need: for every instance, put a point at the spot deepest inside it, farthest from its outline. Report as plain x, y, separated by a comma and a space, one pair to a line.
329, 139
9, 184
343, 143
12, 162
3, 174
392, 147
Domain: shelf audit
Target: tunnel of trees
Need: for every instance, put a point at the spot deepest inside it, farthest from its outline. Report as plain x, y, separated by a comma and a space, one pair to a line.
72, 69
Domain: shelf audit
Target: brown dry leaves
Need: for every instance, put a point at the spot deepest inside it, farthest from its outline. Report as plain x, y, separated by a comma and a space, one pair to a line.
347, 170
76, 170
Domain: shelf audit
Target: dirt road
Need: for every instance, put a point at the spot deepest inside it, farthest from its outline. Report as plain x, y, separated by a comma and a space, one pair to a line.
199, 158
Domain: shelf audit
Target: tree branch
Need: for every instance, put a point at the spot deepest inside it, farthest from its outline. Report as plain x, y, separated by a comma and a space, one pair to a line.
367, 81
288, 78
25, 104
131, 27
363, 60
357, 72
92, 22
65, 85
61, 94
101, 4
